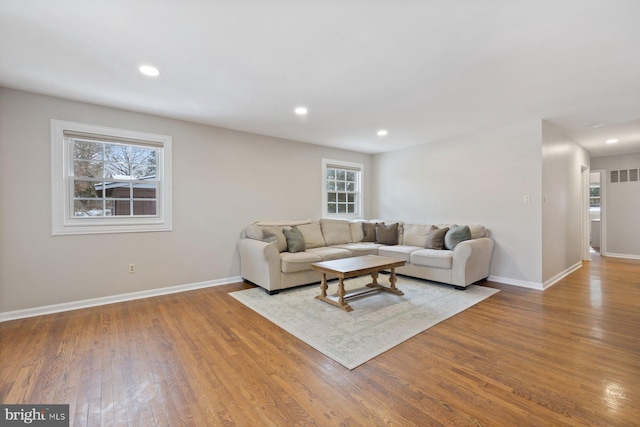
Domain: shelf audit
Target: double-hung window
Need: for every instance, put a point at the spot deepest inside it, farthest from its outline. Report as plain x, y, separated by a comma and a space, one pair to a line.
107, 180
342, 189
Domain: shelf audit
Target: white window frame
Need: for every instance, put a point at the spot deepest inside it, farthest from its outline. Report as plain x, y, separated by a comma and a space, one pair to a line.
339, 164
63, 221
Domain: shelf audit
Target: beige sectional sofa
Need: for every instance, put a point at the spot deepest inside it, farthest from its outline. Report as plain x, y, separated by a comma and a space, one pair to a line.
266, 261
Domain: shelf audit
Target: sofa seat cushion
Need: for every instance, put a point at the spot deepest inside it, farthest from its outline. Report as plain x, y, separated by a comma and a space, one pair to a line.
433, 258
299, 261
330, 253
402, 252
361, 248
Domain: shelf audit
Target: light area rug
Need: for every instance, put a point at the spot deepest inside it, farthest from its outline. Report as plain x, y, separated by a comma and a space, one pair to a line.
378, 322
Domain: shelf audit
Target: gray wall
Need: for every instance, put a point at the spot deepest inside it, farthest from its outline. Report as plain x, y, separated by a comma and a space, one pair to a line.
481, 179
622, 202
484, 178
562, 164
222, 180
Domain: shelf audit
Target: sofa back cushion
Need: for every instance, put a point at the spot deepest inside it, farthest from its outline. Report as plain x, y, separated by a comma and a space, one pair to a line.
357, 233
275, 236
477, 231
254, 232
335, 231
416, 234
312, 235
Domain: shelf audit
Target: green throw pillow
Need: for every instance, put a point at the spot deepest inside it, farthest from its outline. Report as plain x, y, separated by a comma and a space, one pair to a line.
455, 235
295, 240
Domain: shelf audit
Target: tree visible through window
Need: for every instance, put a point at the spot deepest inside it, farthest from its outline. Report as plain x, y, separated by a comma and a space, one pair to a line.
341, 191
342, 188
594, 196
107, 180
113, 179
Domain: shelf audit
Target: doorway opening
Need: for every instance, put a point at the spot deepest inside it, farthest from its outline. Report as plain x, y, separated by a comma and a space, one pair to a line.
595, 212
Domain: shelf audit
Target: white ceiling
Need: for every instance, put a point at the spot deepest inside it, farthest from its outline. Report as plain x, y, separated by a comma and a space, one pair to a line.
425, 70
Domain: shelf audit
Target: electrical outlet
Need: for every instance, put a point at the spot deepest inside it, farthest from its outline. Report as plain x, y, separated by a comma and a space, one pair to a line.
132, 268
526, 198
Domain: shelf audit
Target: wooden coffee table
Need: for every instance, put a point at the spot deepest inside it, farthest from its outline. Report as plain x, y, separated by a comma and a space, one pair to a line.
352, 267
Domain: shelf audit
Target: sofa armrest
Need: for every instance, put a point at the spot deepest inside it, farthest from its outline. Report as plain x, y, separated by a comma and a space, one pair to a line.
260, 263
471, 261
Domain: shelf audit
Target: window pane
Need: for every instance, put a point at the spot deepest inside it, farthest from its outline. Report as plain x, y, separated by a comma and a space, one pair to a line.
117, 153
331, 174
87, 150
342, 197
331, 208
118, 190
140, 172
143, 155
351, 186
351, 176
144, 191
144, 207
342, 208
351, 198
351, 208
332, 197
121, 207
341, 186
88, 208
331, 185
117, 170
109, 207
85, 189
340, 175
87, 169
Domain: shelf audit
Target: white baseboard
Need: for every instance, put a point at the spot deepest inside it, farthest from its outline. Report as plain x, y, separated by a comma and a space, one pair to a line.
626, 256
535, 285
548, 283
515, 282
76, 305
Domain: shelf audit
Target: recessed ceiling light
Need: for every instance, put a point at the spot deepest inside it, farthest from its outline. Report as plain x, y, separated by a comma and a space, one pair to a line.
611, 141
597, 125
382, 132
148, 70
301, 111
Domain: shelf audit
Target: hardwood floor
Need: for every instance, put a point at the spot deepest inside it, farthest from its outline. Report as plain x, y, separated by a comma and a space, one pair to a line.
564, 357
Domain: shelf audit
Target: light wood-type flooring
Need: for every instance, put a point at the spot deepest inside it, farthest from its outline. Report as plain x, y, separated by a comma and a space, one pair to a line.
568, 356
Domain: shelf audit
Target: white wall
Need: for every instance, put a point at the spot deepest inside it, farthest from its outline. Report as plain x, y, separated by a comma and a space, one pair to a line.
222, 180
562, 209
480, 178
622, 206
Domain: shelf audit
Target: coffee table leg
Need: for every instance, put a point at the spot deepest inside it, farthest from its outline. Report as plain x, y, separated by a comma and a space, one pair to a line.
392, 281
341, 292
323, 285
331, 300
